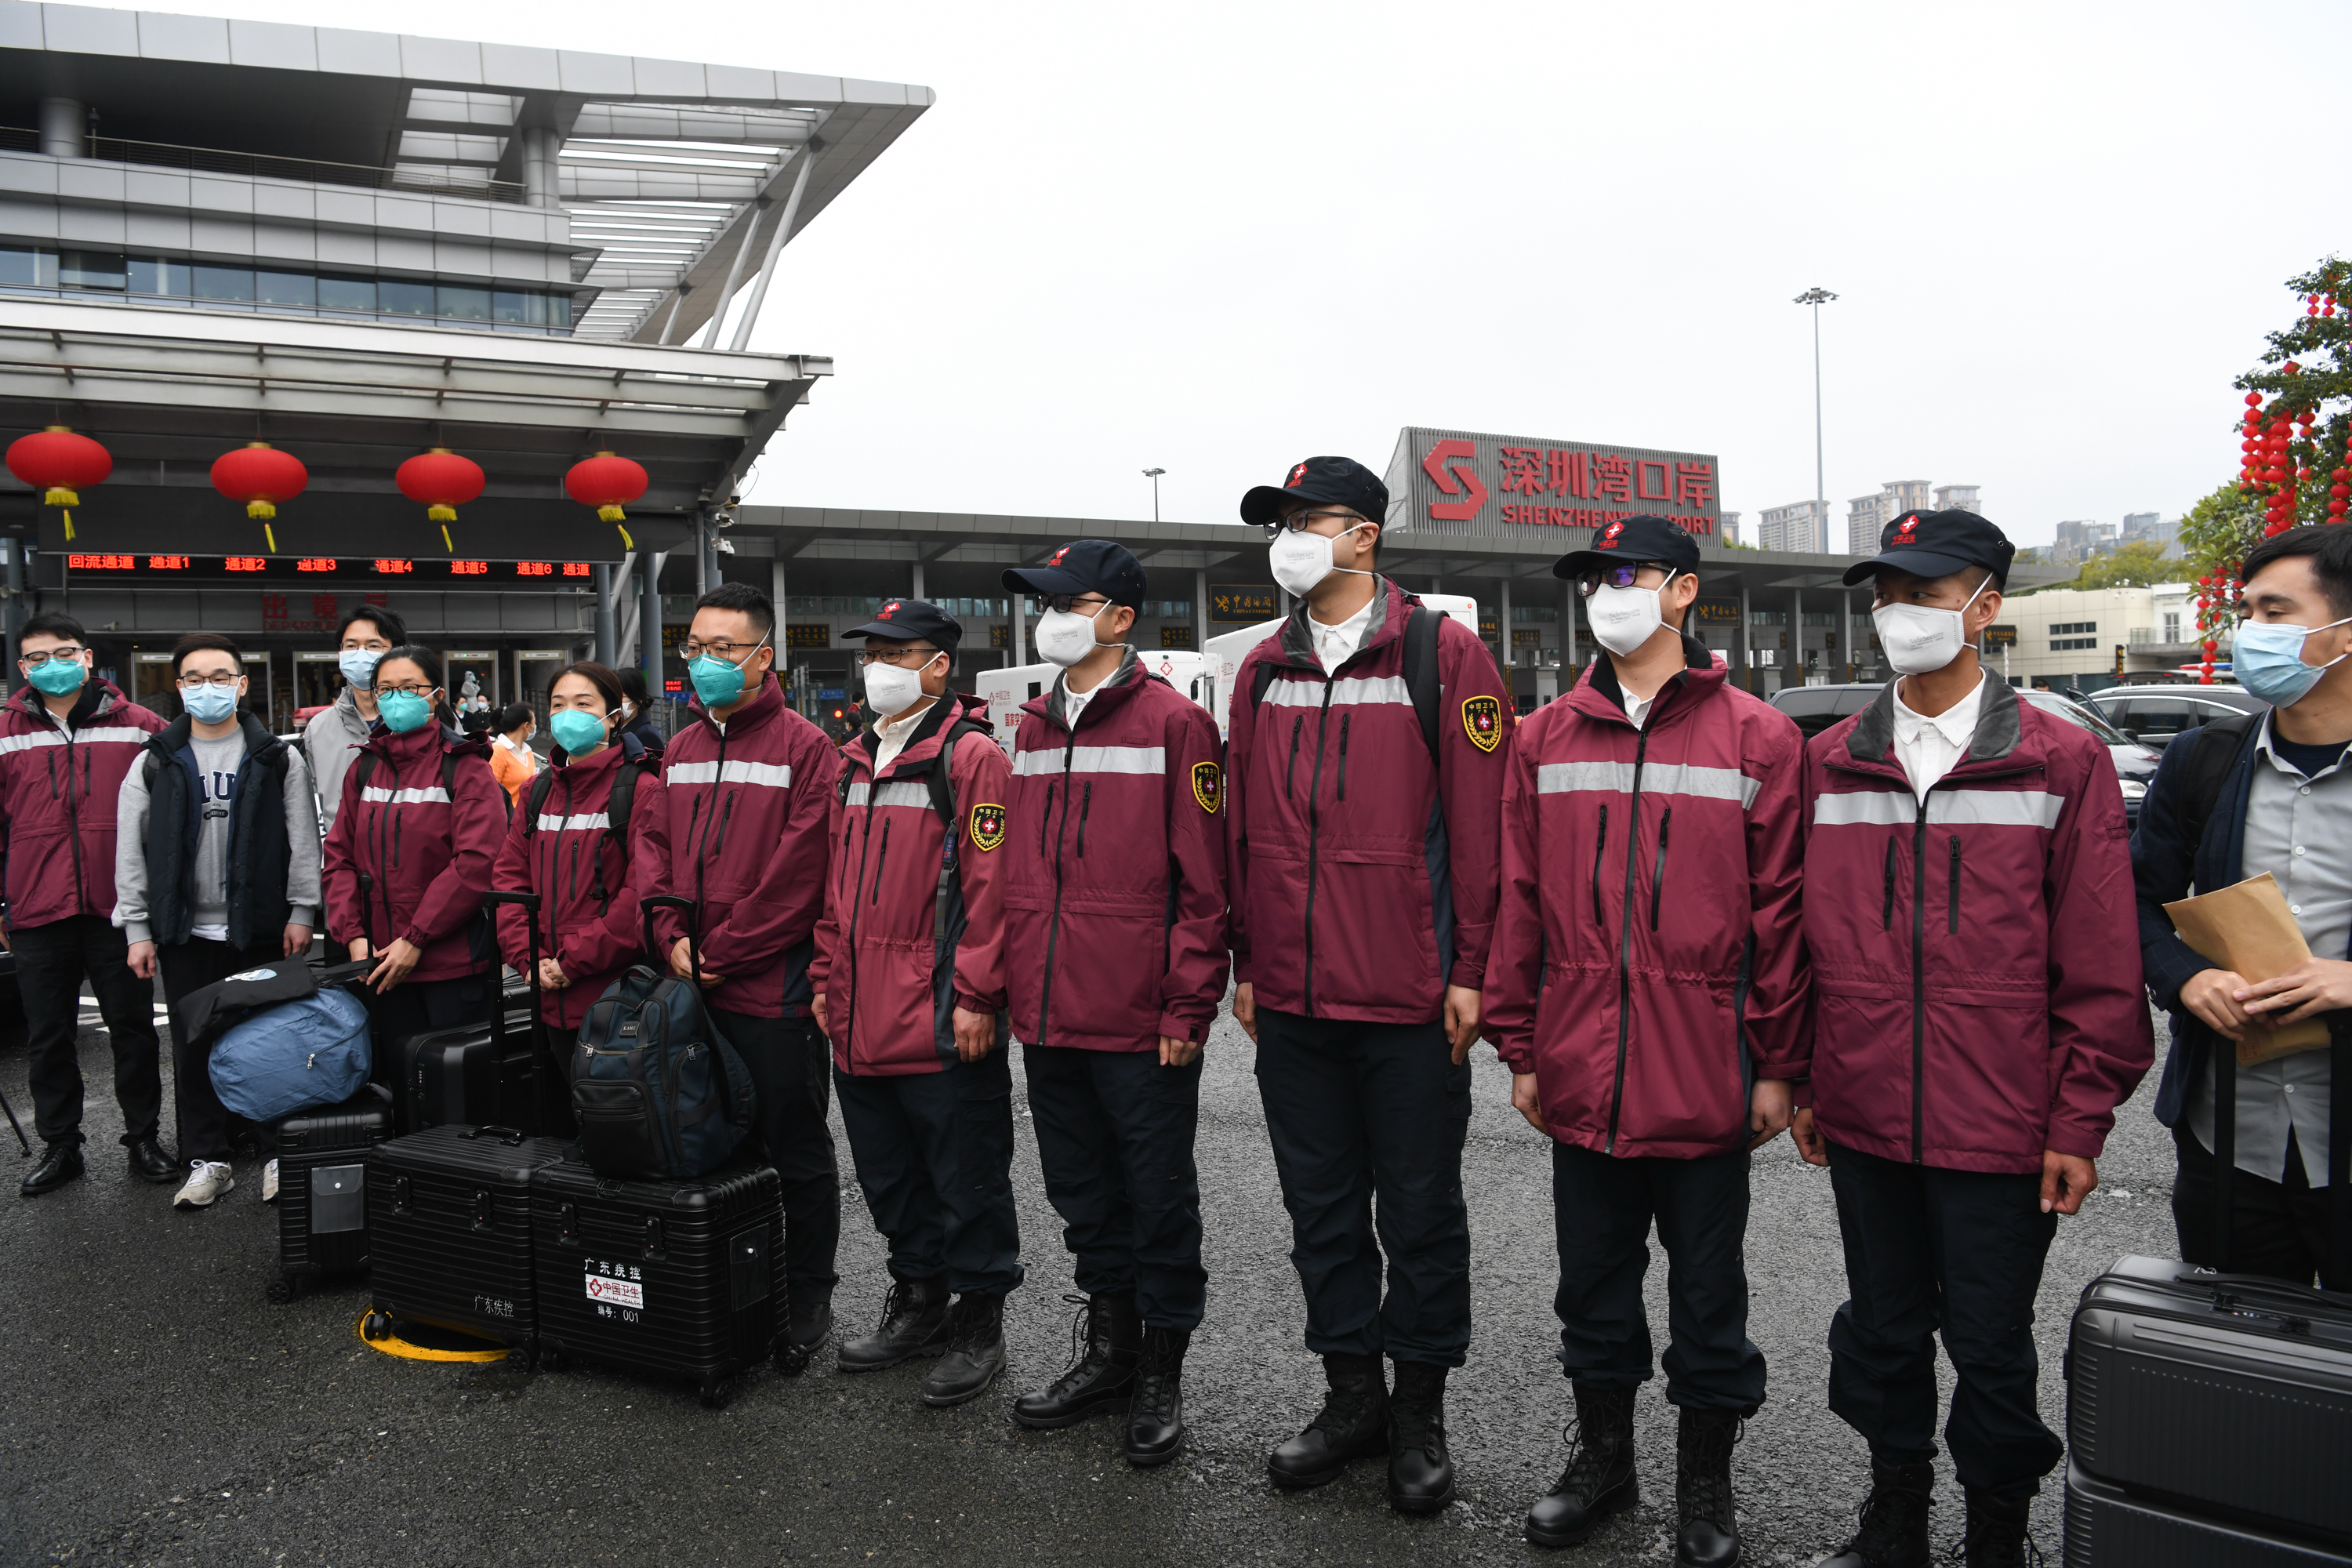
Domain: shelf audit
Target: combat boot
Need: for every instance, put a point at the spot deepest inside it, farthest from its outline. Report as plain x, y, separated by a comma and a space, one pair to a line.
1599, 1481
913, 1322
1894, 1532
975, 1351
1352, 1424
1155, 1416
1421, 1470
1996, 1537
1101, 1374
1707, 1531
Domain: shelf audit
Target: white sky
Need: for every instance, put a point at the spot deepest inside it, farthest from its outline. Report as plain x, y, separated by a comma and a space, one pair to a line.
1218, 238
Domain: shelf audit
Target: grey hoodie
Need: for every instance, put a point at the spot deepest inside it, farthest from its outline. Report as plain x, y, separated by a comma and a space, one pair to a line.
330, 741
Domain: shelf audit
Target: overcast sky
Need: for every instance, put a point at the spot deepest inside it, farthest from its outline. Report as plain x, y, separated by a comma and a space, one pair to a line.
1218, 238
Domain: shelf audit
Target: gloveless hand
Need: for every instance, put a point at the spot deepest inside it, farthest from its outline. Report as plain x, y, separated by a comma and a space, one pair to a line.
2313, 986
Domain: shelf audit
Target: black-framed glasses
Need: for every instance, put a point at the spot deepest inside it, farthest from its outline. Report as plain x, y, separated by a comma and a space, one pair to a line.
899, 657
720, 647
35, 660
1622, 575
218, 678
1064, 604
413, 689
1297, 521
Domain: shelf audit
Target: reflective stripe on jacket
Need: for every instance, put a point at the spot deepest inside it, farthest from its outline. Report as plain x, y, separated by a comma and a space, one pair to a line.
407, 860
58, 791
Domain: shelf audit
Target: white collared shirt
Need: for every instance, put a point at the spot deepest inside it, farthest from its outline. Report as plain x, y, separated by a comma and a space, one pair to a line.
1333, 644
891, 735
1930, 748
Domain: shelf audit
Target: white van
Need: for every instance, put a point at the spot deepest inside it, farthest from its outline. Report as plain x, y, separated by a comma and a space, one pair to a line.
1226, 652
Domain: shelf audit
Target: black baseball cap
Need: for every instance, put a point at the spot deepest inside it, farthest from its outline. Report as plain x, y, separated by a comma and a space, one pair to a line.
912, 620
1642, 538
1085, 566
1328, 482
1936, 545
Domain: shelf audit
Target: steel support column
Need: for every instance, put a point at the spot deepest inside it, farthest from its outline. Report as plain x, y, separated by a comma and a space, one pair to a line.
608, 653
775, 248
1200, 611
649, 619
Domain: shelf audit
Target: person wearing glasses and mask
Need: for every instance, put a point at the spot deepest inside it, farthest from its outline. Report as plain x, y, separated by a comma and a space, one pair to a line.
1647, 991
1978, 1016
909, 979
1115, 963
331, 738
1362, 857
66, 738
216, 871
747, 786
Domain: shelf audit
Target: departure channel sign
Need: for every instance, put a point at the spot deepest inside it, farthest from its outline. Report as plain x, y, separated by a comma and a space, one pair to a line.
1475, 483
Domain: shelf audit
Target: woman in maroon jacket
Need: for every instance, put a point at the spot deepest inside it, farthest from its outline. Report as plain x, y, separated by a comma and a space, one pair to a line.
410, 854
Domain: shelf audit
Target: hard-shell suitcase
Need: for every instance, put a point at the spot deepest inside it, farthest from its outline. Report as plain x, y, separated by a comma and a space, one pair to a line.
322, 1188
681, 1279
449, 1231
2112, 1526
476, 1074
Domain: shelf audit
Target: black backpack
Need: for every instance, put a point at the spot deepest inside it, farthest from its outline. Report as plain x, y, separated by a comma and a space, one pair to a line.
1420, 671
617, 815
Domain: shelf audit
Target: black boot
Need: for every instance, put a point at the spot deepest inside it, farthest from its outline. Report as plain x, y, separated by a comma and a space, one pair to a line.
1155, 1417
975, 1351
1599, 1481
1352, 1424
1709, 1532
1101, 1374
807, 1325
1421, 1471
60, 1162
1996, 1531
1894, 1532
913, 1322
150, 1164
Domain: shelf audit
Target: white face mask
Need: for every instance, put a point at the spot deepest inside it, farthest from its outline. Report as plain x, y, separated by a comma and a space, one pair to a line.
1066, 637
1625, 618
1301, 560
1918, 639
890, 690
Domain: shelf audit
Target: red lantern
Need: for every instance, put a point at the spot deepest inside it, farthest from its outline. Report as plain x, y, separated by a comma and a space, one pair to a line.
607, 483
2253, 400
60, 463
260, 476
441, 481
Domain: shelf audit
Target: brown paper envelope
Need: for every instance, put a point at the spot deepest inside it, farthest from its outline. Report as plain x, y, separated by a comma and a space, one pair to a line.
2245, 928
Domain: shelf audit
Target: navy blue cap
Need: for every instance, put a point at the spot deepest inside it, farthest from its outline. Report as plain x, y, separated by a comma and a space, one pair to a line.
1936, 545
912, 620
1085, 566
1641, 538
1326, 481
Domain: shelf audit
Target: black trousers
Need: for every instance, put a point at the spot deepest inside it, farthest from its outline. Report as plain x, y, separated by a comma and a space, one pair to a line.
204, 1120
1959, 1251
1367, 1122
52, 962
791, 1072
934, 1153
1601, 1212
2278, 1229
1115, 1136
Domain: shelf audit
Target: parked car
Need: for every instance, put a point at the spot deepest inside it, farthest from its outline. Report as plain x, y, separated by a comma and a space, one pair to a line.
1817, 708
2154, 715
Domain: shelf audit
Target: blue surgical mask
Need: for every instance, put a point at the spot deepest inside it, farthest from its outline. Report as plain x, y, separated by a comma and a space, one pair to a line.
404, 711
2268, 661
209, 704
717, 681
575, 730
358, 665
60, 676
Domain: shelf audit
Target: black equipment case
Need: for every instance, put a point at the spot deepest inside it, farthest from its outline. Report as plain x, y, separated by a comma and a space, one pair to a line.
681, 1279
476, 1074
322, 1188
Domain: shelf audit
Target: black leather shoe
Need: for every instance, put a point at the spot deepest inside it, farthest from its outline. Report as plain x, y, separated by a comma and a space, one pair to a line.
975, 1352
1996, 1531
150, 1164
1599, 1481
1421, 1470
913, 1322
1894, 1532
1352, 1424
1155, 1418
1105, 1341
1707, 1533
60, 1162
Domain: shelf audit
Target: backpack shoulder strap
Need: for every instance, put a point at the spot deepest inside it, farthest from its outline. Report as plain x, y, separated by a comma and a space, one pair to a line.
364, 767
2216, 748
1421, 669
1260, 677
943, 784
535, 800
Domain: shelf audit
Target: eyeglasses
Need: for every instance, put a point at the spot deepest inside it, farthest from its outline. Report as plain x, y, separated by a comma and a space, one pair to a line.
732, 652
413, 689
35, 660
1620, 576
1062, 604
218, 678
1297, 522
900, 657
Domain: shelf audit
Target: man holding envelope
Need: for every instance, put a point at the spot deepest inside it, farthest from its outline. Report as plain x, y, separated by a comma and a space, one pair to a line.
2256, 814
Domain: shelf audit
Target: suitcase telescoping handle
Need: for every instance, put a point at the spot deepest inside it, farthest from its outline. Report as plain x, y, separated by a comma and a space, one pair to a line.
693, 912
530, 905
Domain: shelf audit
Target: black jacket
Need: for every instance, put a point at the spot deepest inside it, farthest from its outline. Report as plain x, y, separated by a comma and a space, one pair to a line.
259, 847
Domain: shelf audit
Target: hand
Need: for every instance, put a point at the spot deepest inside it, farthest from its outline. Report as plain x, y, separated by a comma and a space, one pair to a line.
398, 963
142, 959
682, 965
2066, 1181
817, 1010
2313, 986
551, 976
359, 951
1174, 1052
1525, 1102
1246, 1008
1810, 1143
298, 940
2212, 994
1767, 1109
975, 1034
1463, 1007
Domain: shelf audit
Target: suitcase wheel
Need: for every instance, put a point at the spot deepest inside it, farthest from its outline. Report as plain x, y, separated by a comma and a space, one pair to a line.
790, 1359
524, 1356
713, 1394
280, 1292
376, 1326
553, 1360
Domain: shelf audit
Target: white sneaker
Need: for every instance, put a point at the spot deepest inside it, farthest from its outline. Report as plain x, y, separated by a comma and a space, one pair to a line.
270, 1183
207, 1180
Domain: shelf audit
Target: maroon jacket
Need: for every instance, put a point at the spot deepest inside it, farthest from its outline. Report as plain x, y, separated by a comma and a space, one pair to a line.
1976, 967
567, 854
1363, 873
411, 851
914, 919
748, 804
1649, 959
58, 792
1115, 868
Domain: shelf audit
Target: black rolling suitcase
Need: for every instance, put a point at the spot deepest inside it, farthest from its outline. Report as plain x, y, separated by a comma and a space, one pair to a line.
322, 1189
476, 1074
679, 1279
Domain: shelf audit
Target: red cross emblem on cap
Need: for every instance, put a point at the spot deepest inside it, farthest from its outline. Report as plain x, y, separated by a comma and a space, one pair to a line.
1057, 561
1297, 474
887, 611
1609, 535
1910, 526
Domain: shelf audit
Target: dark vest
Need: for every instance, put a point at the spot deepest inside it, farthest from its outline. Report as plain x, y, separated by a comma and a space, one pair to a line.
258, 844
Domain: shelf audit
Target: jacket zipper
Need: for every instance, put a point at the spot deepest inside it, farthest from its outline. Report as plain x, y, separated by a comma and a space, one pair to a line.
726, 812
1053, 924
1314, 832
1599, 847
857, 908
1344, 718
1920, 979
1658, 877
881, 860
1626, 943
1886, 915
73, 825
1290, 777
1953, 923
1086, 809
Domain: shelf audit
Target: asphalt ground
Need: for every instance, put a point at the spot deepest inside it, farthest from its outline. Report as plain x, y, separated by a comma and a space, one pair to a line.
154, 1408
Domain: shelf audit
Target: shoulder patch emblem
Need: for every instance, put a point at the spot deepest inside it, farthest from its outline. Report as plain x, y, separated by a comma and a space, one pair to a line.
1482, 720
987, 826
1208, 786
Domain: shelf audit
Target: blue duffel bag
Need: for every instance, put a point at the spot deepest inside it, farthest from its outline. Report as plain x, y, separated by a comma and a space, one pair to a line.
307, 1052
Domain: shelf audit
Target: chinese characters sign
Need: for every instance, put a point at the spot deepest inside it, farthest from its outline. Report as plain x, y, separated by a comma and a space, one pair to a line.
1464, 482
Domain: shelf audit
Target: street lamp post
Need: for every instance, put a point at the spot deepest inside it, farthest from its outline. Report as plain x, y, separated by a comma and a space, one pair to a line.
1817, 298
1153, 475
